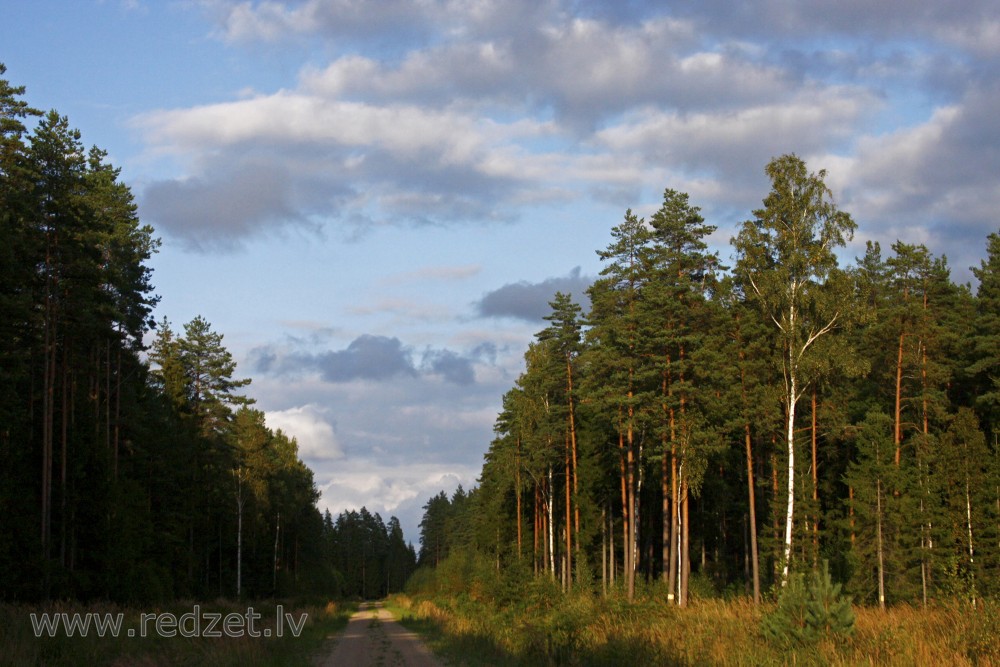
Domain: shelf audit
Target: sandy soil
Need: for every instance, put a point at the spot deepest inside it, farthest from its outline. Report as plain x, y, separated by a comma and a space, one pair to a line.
373, 638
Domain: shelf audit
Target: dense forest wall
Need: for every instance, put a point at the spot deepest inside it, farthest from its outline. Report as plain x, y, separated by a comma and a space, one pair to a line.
717, 428
128, 472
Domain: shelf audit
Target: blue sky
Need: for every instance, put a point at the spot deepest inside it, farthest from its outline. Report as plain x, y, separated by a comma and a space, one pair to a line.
374, 199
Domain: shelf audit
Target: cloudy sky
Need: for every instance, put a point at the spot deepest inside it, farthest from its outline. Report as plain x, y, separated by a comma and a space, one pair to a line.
373, 200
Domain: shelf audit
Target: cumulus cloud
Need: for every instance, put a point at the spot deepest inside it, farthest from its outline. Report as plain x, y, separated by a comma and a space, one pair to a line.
727, 143
310, 427
446, 112
221, 210
367, 358
530, 301
330, 161
450, 366
931, 183
390, 490
488, 116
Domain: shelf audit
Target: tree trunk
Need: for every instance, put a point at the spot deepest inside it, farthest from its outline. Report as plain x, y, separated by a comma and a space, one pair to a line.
517, 493
751, 491
552, 538
751, 494
274, 573
569, 519
612, 565
815, 484
685, 546
674, 520
626, 515
63, 440
897, 431
881, 562
968, 523
850, 512
790, 503
572, 437
604, 552
239, 533
535, 532
630, 558
665, 495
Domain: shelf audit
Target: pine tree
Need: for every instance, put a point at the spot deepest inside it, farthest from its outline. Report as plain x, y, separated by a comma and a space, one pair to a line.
209, 368
563, 335
678, 322
616, 360
882, 499
809, 612
985, 367
968, 489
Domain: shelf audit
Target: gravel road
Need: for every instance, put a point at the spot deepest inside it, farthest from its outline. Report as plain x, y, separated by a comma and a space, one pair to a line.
373, 638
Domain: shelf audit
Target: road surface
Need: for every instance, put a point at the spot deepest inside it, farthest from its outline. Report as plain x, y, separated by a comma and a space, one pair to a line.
374, 639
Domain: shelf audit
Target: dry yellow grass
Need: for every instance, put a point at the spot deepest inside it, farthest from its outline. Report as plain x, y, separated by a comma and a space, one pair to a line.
590, 630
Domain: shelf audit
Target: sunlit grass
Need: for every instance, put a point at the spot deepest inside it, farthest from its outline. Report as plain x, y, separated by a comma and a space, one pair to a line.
586, 629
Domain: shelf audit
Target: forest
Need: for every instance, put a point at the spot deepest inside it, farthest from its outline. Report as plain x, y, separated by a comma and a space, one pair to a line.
713, 430
707, 429
133, 467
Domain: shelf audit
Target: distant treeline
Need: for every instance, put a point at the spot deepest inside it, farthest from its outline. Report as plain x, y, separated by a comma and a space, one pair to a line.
719, 428
127, 473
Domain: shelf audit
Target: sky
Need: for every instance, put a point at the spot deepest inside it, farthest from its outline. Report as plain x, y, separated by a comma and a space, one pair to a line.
374, 200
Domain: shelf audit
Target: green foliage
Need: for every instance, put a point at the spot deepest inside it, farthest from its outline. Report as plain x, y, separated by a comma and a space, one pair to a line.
369, 557
985, 366
117, 469
810, 612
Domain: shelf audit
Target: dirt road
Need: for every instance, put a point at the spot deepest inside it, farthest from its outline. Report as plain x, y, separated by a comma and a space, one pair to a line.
374, 639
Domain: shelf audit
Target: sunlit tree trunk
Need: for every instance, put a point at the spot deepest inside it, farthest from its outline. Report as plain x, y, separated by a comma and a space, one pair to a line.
569, 517
551, 526
751, 495
815, 483
517, 493
881, 559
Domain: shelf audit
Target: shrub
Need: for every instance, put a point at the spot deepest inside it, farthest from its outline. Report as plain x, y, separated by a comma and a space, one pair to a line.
807, 613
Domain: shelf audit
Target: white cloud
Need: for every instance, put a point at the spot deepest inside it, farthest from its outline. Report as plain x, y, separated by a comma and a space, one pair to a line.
436, 273
449, 112
391, 490
727, 141
309, 426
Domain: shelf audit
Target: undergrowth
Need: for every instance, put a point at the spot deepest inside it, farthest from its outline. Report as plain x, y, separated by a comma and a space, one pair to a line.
515, 619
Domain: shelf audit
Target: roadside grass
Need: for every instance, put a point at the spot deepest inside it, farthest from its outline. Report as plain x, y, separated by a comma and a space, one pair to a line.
19, 644
588, 629
458, 639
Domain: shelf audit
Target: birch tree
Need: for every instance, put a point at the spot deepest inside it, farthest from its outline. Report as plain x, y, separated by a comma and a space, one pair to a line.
786, 261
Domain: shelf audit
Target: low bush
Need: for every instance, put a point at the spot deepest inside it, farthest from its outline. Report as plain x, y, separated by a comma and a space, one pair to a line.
810, 612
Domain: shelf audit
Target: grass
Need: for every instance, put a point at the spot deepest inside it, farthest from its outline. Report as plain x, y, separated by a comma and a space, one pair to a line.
19, 644
586, 629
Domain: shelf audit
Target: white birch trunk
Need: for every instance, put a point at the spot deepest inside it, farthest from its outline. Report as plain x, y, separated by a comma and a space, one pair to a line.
968, 524
790, 510
552, 538
881, 562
